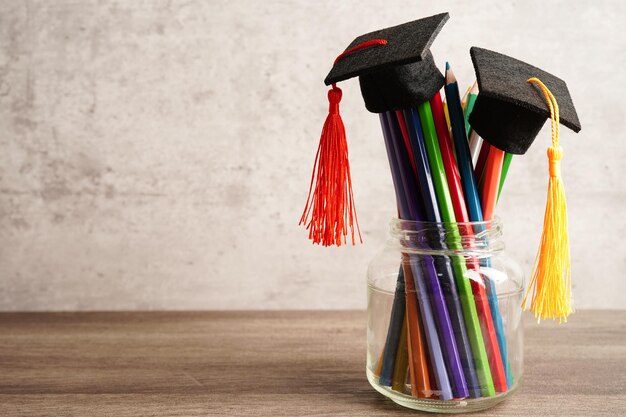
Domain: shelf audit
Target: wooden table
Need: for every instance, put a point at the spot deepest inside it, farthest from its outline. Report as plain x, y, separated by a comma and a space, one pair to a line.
270, 363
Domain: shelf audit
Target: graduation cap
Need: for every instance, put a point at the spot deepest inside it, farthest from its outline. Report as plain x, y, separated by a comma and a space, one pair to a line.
509, 112
395, 67
514, 101
396, 70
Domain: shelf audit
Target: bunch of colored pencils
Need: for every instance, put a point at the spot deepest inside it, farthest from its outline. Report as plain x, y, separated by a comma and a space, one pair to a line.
445, 334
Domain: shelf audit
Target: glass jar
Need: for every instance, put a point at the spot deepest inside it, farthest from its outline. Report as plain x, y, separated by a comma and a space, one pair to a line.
444, 317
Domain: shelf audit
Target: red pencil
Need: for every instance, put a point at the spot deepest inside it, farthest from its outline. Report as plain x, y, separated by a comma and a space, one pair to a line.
462, 216
405, 136
481, 163
449, 162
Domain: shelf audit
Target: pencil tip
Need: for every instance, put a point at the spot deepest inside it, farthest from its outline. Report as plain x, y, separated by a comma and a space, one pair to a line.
450, 78
474, 88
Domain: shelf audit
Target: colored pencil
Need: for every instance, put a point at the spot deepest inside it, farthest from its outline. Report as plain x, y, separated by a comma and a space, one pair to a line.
475, 143
418, 364
413, 336
491, 181
379, 364
463, 160
472, 201
411, 321
405, 136
442, 263
407, 195
432, 303
399, 302
469, 106
393, 333
505, 170
481, 163
403, 212
460, 210
473, 323
424, 177
398, 381
449, 160
399, 167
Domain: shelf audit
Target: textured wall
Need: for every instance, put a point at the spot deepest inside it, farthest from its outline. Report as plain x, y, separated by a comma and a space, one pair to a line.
156, 155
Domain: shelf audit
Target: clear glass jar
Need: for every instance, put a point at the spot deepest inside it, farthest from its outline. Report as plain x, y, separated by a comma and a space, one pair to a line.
444, 317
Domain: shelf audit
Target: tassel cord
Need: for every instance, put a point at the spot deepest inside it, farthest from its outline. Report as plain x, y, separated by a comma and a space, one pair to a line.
550, 283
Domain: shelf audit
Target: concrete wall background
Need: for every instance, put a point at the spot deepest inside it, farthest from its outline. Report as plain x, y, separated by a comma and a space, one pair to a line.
156, 154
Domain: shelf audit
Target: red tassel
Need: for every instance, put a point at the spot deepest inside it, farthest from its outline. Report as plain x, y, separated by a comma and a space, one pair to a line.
330, 210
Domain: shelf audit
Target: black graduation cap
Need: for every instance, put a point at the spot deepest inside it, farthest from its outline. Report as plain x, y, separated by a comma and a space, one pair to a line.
509, 111
395, 67
396, 70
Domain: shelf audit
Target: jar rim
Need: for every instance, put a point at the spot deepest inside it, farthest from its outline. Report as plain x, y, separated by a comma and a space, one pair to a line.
403, 224
434, 237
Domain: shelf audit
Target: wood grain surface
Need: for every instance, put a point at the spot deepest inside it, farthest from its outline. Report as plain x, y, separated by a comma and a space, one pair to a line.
270, 363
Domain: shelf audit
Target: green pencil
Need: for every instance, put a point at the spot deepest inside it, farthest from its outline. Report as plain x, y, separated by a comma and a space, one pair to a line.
442, 191
469, 105
505, 169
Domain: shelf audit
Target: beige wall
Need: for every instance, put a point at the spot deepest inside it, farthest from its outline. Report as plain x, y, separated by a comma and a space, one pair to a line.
156, 155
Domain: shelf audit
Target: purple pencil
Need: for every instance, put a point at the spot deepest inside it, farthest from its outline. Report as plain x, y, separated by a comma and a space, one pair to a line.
437, 325
432, 282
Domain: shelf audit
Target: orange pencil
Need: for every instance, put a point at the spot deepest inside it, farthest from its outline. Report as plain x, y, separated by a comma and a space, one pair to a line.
418, 365
379, 365
491, 181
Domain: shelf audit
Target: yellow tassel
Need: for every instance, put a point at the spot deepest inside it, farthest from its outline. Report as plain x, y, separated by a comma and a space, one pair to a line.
551, 278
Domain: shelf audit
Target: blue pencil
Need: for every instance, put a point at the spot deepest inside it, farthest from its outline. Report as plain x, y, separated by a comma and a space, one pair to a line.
399, 302
403, 212
408, 184
431, 296
443, 263
393, 332
468, 182
409, 189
